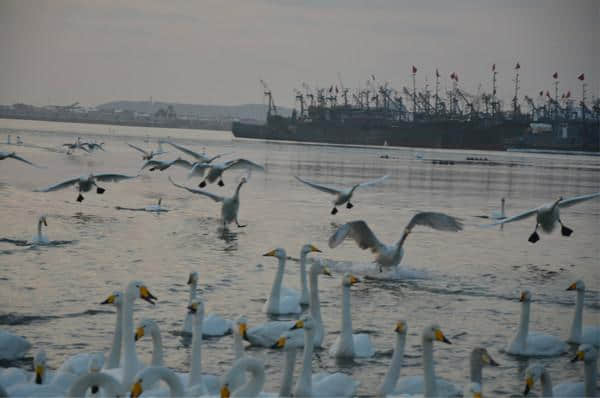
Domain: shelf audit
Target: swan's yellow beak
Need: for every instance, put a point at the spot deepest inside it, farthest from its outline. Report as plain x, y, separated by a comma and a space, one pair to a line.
573, 286
109, 300
190, 279
136, 389
280, 343
270, 254
528, 385
139, 333
146, 295
439, 336
243, 329
522, 298
39, 374
353, 280
579, 356
477, 395
225, 393
326, 271
399, 327
192, 308
298, 325
314, 249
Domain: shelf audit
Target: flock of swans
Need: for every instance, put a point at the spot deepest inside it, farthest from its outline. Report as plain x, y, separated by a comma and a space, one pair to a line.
119, 372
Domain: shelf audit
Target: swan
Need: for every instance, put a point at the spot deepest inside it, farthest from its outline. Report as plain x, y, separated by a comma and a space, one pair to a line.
278, 303
304, 251
149, 326
86, 182
148, 377
145, 154
349, 345
12, 347
341, 195
162, 165
533, 344
317, 269
111, 386
308, 385
265, 334
114, 357
75, 145
40, 239
157, 208
586, 353
391, 255
213, 324
589, 334
94, 146
93, 365
391, 377
548, 215
42, 383
215, 170
252, 387
200, 157
230, 205
13, 155
428, 384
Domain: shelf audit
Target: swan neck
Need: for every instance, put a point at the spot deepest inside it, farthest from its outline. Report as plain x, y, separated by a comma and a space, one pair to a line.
288, 373
590, 377
346, 337
193, 289
130, 358
523, 331
157, 348
575, 335
115, 350
546, 384
238, 345
428, 368
196, 371
237, 190
109, 384
257, 380
304, 383
476, 367
303, 279
315, 309
39, 230
393, 372
172, 380
276, 288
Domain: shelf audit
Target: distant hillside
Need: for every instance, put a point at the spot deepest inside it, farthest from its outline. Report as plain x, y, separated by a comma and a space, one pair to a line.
248, 111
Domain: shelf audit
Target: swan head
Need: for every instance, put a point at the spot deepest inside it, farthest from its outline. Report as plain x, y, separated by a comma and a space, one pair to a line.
308, 248
243, 364
96, 362
586, 353
532, 373
137, 289
305, 322
193, 278
474, 390
319, 268
197, 308
578, 285
401, 327
241, 324
278, 253
434, 333
288, 341
116, 299
349, 279
525, 296
145, 380
145, 326
39, 366
481, 355
42, 220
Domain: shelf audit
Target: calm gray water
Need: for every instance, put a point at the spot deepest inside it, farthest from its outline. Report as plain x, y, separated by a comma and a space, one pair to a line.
467, 282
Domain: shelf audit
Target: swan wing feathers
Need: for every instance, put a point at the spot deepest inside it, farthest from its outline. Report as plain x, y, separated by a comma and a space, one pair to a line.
187, 151
569, 390
591, 335
243, 164
182, 163
338, 384
266, 334
372, 182
360, 232
520, 216
415, 385
214, 197
137, 148
152, 162
320, 187
60, 185
363, 348
544, 345
215, 325
577, 199
110, 177
439, 221
12, 346
17, 157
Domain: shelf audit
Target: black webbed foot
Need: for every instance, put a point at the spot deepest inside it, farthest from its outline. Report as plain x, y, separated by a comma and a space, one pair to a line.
100, 190
349, 205
95, 389
534, 237
565, 231
202, 184
334, 211
80, 198
221, 183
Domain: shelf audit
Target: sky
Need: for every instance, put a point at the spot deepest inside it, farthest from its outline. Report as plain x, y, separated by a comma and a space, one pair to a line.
216, 51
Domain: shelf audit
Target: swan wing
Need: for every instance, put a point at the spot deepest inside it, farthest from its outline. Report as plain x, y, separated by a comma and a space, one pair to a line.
215, 325
363, 348
138, 149
199, 168
591, 335
214, 197
372, 182
439, 221
152, 163
17, 157
521, 216
544, 345
182, 163
320, 187
266, 334
569, 390
187, 151
111, 177
577, 199
243, 164
360, 232
333, 385
60, 185
12, 346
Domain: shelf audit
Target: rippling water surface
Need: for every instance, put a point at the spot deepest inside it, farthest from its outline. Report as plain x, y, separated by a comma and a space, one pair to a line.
467, 282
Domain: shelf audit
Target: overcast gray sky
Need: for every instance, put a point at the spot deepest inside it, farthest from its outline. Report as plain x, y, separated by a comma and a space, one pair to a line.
215, 52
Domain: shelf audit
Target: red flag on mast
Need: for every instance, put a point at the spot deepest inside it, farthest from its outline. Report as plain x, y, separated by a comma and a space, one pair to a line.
517, 66
555, 75
581, 77
414, 69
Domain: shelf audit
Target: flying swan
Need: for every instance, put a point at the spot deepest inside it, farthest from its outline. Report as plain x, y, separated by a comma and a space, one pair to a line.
85, 183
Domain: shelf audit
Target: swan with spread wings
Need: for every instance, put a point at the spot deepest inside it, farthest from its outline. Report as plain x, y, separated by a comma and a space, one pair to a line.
391, 255
86, 182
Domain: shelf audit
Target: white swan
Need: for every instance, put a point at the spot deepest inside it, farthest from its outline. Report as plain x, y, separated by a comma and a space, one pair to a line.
548, 215
86, 182
265, 334
145, 154
304, 251
533, 344
428, 384
149, 326
391, 255
278, 302
252, 387
586, 353
95, 380
391, 377
147, 378
40, 239
308, 385
579, 334
216, 170
349, 345
13, 155
114, 357
317, 269
162, 165
42, 384
230, 205
341, 195
75, 145
213, 324
200, 157
12, 346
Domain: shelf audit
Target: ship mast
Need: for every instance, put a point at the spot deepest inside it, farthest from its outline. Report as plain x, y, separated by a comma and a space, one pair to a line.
414, 94
494, 101
437, 90
516, 97
582, 78
556, 103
